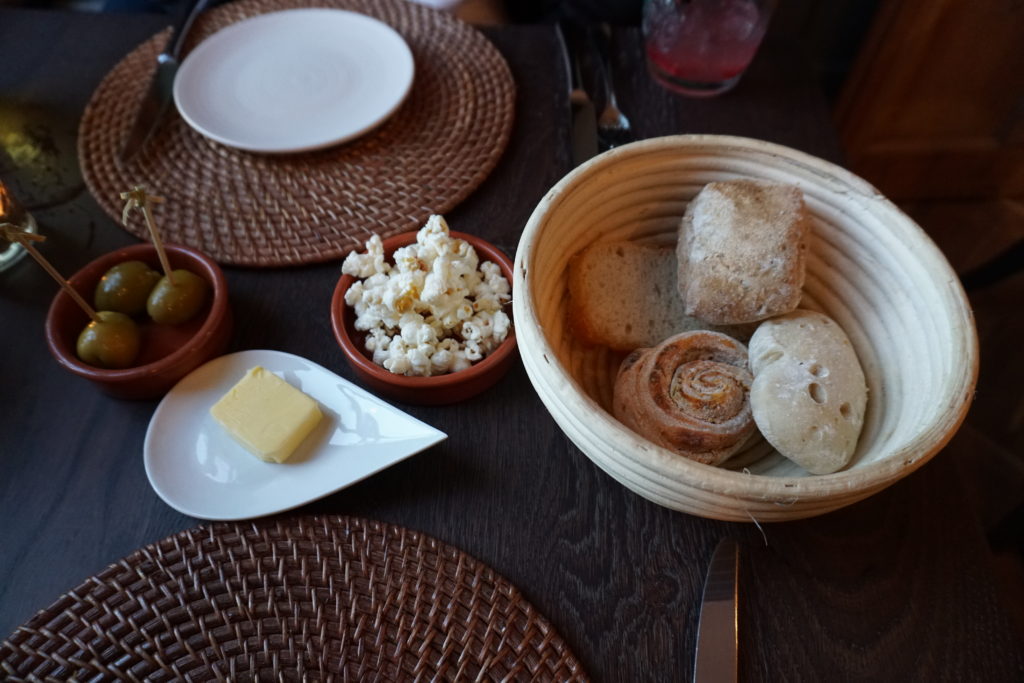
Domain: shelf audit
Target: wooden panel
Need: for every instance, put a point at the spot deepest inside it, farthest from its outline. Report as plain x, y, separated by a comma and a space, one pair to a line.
932, 108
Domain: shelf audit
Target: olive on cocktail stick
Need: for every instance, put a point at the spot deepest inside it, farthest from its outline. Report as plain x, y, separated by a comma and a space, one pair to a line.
125, 288
111, 339
179, 294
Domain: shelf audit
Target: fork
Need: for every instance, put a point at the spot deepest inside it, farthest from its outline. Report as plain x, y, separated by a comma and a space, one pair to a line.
613, 127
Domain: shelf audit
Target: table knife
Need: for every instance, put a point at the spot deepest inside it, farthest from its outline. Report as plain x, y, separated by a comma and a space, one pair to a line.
716, 658
584, 115
158, 96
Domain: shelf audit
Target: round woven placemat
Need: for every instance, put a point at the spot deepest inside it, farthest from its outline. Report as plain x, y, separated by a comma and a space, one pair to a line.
276, 210
307, 598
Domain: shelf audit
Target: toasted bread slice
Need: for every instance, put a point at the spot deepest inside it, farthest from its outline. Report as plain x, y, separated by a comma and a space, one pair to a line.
624, 295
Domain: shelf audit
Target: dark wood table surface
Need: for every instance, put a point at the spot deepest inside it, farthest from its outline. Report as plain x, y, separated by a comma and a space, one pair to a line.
897, 587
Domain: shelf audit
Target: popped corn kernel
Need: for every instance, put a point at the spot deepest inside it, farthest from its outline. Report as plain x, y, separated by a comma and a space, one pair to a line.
370, 263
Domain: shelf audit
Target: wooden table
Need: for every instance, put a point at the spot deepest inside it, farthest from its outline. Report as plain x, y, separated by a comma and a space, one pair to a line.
897, 587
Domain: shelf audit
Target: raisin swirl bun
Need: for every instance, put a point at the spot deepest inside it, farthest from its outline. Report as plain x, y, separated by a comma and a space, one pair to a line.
689, 394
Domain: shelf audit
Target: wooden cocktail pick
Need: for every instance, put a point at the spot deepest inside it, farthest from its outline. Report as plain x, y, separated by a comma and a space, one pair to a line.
14, 233
138, 198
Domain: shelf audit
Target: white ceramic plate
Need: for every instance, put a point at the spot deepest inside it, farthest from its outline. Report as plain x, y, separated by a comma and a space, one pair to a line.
198, 469
294, 80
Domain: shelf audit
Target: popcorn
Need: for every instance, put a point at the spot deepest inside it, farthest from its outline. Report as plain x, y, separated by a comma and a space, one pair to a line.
438, 309
370, 263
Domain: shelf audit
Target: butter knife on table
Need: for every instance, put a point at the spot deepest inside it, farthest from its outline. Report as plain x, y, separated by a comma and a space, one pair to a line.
584, 115
155, 102
716, 658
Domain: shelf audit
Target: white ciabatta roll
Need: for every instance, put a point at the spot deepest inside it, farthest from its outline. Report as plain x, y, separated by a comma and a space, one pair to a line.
689, 394
809, 394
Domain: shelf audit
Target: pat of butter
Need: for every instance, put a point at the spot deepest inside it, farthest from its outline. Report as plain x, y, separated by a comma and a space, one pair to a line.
266, 415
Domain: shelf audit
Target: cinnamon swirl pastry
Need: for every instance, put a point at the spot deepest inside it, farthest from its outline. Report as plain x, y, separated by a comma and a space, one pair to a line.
689, 394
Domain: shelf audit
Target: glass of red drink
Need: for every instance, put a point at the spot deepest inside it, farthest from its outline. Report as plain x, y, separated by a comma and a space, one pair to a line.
702, 47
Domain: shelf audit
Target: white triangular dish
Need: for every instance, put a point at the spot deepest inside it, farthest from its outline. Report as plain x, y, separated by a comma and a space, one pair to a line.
198, 469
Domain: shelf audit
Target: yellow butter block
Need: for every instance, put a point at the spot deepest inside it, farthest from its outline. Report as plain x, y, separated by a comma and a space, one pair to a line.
265, 414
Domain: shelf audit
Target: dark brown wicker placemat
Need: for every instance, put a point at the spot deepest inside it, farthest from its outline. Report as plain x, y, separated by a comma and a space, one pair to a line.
268, 210
307, 598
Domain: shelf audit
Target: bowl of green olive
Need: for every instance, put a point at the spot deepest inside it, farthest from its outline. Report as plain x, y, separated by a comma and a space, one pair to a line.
150, 329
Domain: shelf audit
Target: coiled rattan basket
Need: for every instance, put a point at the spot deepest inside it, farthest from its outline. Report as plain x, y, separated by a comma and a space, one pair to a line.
869, 267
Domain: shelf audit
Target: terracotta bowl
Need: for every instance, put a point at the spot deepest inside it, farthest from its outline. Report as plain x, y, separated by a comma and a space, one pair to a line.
169, 352
436, 390
869, 267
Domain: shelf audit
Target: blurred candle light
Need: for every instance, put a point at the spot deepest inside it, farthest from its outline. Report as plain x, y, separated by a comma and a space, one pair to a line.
11, 211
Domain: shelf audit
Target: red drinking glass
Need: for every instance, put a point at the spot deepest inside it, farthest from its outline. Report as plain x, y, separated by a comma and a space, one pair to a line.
701, 48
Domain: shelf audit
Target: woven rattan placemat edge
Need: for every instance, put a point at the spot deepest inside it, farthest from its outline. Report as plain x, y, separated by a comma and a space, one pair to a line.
195, 602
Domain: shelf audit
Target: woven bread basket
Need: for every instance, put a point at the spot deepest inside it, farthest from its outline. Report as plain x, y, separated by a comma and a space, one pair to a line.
869, 267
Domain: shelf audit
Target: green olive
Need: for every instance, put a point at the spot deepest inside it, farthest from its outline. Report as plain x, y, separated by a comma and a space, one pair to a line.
173, 304
110, 342
125, 288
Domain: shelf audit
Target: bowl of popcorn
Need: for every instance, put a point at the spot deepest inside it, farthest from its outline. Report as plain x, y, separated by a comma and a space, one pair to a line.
739, 330
424, 317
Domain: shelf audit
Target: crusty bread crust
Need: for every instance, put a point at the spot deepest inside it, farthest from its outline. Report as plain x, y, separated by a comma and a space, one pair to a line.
741, 251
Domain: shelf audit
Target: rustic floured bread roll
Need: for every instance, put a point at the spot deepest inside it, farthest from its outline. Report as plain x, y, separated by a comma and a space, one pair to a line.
741, 251
809, 395
689, 394
624, 296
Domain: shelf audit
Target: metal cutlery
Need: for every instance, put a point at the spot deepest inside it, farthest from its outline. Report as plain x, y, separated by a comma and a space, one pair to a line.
584, 119
158, 97
613, 127
716, 658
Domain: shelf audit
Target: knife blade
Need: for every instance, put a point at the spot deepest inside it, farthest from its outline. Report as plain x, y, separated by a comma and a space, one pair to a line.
159, 93
583, 113
716, 658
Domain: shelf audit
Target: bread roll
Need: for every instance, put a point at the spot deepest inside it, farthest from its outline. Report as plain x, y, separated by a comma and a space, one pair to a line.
809, 395
624, 296
741, 251
689, 394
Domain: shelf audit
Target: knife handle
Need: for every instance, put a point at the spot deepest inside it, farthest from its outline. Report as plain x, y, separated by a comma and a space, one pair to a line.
571, 38
189, 12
